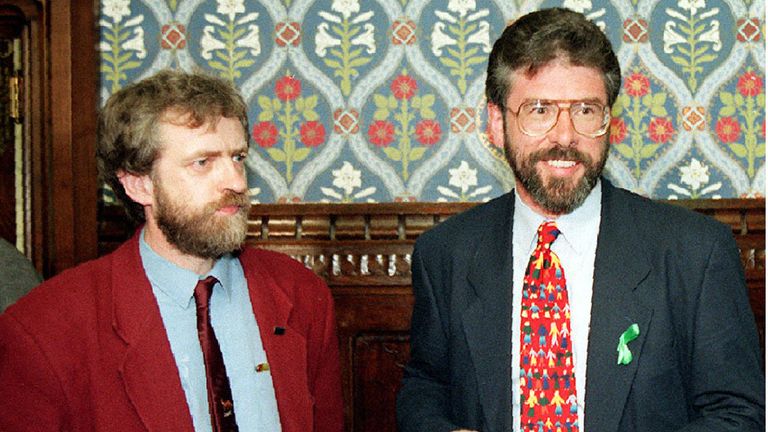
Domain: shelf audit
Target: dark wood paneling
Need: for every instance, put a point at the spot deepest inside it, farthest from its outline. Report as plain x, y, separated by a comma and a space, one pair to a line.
363, 252
60, 101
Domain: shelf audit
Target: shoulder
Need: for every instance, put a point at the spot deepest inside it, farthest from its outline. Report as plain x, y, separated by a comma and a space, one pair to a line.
67, 298
470, 224
284, 271
660, 223
663, 214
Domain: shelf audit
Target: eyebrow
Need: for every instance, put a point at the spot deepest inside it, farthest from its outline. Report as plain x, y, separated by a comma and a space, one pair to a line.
570, 101
212, 153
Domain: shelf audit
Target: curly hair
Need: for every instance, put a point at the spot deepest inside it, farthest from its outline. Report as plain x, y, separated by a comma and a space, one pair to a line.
128, 123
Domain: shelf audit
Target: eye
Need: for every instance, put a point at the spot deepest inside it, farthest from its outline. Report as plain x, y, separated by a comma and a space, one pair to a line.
200, 163
586, 109
537, 108
240, 157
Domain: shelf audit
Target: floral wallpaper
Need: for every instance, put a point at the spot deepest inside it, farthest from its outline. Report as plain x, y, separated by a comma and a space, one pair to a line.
383, 100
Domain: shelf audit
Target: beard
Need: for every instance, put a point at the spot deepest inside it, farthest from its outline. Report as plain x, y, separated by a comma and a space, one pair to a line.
557, 195
202, 232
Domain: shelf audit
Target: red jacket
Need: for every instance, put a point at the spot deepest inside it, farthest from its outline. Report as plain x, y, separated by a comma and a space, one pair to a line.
87, 350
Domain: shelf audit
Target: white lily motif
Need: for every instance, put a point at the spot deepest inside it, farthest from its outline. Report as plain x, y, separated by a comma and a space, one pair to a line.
366, 39
713, 35
116, 9
671, 37
323, 40
347, 178
251, 40
462, 177
346, 8
346, 27
136, 43
692, 5
695, 175
210, 43
230, 8
440, 39
461, 6
481, 36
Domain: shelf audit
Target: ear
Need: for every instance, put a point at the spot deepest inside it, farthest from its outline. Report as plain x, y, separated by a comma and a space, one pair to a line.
138, 187
496, 125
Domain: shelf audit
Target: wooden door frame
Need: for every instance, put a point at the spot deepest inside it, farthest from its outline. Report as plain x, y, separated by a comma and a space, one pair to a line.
60, 96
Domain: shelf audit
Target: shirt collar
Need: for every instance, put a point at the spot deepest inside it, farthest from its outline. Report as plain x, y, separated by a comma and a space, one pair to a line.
177, 283
577, 228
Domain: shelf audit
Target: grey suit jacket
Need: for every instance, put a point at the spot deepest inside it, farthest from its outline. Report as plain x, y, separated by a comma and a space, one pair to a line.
17, 275
676, 274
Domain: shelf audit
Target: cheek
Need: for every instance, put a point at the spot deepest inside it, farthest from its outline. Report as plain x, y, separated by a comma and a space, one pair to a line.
599, 147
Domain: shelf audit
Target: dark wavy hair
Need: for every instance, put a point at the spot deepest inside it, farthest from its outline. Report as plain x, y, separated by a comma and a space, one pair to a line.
538, 38
128, 123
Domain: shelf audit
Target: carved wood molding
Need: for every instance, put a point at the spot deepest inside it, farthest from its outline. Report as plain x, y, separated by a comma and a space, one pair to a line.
370, 244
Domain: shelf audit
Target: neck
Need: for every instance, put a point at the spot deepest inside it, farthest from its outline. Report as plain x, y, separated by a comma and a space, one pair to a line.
160, 244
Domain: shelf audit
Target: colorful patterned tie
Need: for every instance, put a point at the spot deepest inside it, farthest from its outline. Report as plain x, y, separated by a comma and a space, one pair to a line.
220, 403
547, 383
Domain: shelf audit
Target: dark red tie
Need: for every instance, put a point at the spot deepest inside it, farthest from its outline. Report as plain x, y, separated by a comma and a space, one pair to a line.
220, 403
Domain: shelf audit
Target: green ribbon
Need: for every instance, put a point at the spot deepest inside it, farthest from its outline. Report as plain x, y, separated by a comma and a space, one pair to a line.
625, 355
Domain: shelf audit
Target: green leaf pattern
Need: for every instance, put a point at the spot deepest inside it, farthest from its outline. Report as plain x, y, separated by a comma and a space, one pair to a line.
340, 40
122, 48
460, 39
230, 42
690, 38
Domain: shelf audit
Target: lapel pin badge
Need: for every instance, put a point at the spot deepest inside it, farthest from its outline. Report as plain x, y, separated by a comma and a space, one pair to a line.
262, 367
630, 334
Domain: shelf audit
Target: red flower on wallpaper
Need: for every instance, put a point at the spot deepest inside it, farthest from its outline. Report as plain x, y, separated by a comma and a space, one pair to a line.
728, 129
660, 130
618, 130
637, 85
750, 84
404, 87
428, 132
381, 133
265, 134
312, 133
288, 88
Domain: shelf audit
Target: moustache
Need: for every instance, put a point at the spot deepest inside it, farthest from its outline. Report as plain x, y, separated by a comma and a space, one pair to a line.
232, 199
561, 153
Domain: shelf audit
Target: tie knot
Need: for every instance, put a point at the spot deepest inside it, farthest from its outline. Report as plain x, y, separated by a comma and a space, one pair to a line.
547, 233
204, 289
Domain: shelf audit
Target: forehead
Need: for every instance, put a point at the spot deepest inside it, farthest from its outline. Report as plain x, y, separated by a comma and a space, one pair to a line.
559, 81
180, 135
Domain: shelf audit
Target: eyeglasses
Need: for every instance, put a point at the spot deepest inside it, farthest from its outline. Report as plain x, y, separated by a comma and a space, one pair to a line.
538, 116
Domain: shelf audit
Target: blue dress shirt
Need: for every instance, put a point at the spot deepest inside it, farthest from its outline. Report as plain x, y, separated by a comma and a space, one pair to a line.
236, 329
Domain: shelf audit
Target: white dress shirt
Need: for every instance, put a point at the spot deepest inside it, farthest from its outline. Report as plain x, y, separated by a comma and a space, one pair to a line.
576, 246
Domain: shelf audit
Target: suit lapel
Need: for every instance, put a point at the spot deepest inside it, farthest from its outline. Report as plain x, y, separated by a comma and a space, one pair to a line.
148, 369
286, 346
620, 266
487, 321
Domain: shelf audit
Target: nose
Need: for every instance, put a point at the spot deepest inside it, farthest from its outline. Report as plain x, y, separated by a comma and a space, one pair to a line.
234, 176
563, 132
